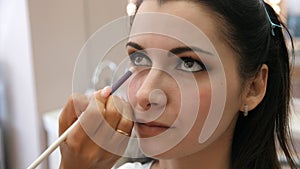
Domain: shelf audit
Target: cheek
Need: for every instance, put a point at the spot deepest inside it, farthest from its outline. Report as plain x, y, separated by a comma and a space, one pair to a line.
195, 105
205, 96
205, 99
133, 87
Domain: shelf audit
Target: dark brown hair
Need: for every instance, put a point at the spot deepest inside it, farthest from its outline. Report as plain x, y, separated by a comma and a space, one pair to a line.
248, 31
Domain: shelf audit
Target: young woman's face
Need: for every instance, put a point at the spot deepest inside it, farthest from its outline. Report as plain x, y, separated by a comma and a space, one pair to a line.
172, 89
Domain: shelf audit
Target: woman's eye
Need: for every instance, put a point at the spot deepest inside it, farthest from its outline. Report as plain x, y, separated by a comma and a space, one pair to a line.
140, 59
190, 65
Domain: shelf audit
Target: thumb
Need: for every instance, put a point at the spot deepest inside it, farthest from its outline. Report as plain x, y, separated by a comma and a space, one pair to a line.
102, 95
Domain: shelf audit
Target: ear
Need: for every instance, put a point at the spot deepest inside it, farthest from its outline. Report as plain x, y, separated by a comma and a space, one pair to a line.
255, 89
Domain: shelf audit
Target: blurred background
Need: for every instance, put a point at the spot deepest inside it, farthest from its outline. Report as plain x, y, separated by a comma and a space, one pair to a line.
39, 45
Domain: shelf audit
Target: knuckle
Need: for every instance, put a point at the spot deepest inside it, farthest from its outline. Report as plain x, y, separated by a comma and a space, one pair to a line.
76, 141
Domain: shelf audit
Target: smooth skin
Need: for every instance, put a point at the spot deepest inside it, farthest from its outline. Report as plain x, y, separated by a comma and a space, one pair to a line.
79, 151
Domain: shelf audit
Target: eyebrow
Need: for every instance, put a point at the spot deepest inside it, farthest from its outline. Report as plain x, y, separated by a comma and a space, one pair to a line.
174, 51
134, 45
179, 50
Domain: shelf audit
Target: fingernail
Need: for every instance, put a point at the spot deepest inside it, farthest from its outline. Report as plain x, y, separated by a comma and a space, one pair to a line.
105, 92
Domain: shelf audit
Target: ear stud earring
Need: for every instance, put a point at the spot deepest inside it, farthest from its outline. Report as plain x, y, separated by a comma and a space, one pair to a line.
246, 110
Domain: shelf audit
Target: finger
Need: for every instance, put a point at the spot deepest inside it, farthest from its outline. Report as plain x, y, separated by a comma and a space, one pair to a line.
101, 98
80, 103
112, 116
75, 104
126, 123
107, 138
113, 111
93, 116
103, 94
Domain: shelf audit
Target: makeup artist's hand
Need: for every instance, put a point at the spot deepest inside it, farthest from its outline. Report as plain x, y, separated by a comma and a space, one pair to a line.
98, 125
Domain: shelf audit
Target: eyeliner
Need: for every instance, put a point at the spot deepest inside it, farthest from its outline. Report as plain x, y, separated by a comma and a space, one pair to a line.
116, 85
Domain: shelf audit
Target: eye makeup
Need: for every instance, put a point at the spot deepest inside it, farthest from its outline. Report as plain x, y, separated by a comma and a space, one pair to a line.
188, 64
188, 59
140, 58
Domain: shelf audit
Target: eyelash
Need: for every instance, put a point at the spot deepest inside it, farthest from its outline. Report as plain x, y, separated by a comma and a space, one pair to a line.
135, 55
183, 60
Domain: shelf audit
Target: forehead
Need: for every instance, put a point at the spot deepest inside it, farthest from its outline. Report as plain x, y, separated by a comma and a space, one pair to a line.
186, 21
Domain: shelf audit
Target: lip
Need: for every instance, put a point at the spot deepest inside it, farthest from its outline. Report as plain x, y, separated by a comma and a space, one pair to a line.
156, 124
150, 129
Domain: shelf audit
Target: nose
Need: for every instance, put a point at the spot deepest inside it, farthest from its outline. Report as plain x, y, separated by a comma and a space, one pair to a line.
151, 91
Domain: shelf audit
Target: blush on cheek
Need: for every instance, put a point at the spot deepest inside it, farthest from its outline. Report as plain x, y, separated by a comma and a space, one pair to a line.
204, 96
205, 101
195, 105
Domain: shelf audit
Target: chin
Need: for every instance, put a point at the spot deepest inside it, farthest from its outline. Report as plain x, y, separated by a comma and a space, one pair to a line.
157, 147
